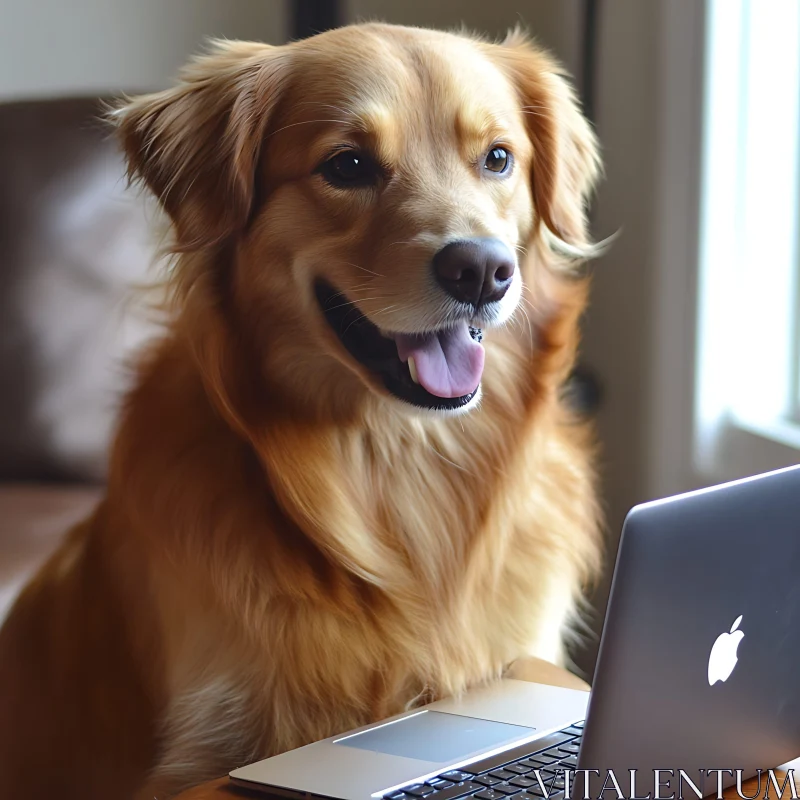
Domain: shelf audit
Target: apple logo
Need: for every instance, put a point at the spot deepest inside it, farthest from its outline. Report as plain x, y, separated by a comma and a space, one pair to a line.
723, 656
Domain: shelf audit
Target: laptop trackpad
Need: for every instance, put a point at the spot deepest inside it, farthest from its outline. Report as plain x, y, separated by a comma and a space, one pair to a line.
436, 736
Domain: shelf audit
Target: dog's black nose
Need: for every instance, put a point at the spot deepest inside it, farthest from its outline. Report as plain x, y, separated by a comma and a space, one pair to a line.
475, 271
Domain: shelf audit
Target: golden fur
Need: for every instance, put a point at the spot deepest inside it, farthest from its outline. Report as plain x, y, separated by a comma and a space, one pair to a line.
284, 551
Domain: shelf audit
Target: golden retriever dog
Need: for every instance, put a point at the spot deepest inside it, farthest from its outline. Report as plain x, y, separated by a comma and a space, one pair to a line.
346, 481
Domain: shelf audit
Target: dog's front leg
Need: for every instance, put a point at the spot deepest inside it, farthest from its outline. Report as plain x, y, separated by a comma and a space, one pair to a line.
208, 730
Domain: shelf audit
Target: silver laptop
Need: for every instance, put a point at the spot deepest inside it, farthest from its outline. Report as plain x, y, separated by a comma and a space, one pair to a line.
698, 673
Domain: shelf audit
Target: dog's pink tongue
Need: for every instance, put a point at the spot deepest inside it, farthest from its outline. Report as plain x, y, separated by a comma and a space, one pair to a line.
449, 363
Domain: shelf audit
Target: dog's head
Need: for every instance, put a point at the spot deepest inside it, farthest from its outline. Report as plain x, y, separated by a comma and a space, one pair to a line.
376, 197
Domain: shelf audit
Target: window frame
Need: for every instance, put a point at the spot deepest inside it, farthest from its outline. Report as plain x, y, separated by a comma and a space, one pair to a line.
682, 454
750, 429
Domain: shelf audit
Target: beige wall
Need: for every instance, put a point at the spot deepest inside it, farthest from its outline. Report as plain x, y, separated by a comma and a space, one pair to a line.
51, 48
616, 332
618, 339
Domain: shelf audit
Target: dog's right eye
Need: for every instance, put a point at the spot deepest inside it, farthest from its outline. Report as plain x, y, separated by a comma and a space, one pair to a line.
350, 169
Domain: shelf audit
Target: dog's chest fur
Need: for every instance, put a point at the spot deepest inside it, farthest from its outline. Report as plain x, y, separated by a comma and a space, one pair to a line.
391, 564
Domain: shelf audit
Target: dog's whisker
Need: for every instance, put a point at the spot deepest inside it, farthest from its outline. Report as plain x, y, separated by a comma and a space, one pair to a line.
304, 122
517, 324
337, 294
349, 326
357, 266
383, 310
353, 302
528, 320
529, 303
368, 283
375, 314
347, 114
362, 287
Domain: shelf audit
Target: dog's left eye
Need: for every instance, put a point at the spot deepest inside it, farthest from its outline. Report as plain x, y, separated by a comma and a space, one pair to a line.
498, 160
350, 169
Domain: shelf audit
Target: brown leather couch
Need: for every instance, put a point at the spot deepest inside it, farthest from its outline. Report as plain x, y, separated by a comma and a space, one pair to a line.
73, 239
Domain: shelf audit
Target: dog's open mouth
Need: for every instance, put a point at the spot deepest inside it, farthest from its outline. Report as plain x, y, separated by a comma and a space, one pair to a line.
438, 370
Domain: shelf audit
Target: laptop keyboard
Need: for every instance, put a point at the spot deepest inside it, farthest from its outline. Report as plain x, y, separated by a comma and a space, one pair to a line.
507, 774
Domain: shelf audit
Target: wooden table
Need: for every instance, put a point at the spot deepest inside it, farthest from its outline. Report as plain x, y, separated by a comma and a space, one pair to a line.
529, 670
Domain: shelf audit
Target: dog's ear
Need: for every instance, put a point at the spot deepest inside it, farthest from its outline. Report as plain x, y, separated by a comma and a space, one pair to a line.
196, 146
566, 161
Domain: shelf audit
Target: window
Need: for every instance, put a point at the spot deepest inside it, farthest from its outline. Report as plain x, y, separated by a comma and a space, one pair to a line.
747, 383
